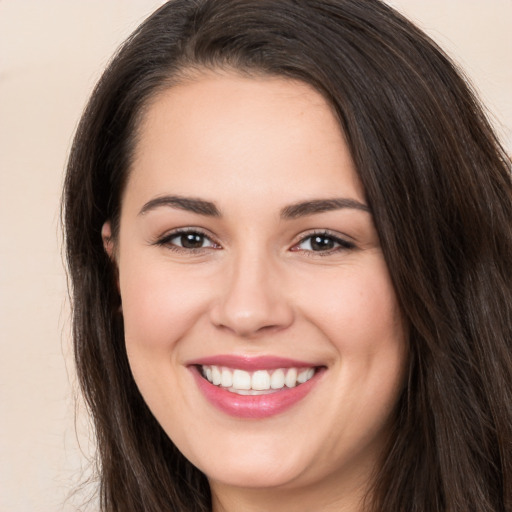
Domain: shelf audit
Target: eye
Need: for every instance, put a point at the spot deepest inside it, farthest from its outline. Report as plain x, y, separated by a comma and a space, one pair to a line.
187, 240
323, 243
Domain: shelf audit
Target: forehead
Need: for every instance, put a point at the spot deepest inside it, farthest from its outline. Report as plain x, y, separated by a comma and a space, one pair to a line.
259, 135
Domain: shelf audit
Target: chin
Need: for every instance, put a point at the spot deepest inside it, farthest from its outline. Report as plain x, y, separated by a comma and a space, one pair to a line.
254, 474
251, 462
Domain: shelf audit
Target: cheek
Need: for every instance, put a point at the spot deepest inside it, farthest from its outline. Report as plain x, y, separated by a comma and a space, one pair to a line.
359, 315
159, 306
357, 309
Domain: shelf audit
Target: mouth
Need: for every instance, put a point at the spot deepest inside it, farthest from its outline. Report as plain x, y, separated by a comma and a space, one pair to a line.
254, 387
259, 382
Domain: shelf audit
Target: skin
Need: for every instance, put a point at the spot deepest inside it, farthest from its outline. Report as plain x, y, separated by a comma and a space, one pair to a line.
254, 146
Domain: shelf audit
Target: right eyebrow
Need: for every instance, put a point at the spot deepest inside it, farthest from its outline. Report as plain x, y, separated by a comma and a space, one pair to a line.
305, 208
189, 204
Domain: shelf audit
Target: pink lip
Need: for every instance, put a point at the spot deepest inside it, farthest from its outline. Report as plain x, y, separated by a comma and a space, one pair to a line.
251, 363
252, 406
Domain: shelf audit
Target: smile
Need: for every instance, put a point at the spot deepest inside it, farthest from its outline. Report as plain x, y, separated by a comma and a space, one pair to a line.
258, 382
254, 387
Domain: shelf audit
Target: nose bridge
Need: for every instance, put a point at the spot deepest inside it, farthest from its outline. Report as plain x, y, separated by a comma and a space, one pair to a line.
252, 299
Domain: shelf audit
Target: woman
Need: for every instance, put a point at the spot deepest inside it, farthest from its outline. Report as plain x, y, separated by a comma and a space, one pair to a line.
288, 234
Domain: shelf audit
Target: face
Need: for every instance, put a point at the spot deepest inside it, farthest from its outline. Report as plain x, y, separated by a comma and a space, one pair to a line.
261, 325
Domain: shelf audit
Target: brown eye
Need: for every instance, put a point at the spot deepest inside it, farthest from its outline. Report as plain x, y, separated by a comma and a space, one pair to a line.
191, 240
187, 240
322, 243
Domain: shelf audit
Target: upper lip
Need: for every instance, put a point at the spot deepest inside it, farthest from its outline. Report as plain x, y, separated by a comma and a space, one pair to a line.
250, 363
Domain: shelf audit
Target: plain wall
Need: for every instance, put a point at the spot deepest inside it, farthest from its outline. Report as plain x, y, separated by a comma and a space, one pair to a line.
51, 54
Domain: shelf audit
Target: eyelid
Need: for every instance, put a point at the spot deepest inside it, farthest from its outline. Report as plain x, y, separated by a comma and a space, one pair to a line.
344, 242
165, 239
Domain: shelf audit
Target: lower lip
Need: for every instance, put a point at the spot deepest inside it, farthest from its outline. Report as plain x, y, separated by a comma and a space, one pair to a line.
253, 406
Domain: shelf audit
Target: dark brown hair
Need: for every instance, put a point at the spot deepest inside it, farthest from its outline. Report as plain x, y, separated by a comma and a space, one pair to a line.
439, 187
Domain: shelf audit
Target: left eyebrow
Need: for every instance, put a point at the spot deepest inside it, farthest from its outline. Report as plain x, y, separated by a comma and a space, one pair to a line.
199, 206
314, 206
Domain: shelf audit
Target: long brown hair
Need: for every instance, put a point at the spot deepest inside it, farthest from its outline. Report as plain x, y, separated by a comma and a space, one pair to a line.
438, 184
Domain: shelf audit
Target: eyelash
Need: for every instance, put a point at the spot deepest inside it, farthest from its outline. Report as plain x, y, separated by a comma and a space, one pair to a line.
341, 243
165, 241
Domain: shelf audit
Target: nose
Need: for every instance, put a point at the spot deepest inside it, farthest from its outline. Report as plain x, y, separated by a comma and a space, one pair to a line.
253, 299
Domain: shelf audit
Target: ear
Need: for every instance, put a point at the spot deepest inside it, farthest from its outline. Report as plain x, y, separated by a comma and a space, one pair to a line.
108, 243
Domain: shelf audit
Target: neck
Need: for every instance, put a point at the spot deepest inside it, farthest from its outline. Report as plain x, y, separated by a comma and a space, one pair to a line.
334, 495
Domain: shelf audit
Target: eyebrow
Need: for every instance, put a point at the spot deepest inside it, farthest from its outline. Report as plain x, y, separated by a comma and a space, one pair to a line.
189, 204
293, 211
306, 208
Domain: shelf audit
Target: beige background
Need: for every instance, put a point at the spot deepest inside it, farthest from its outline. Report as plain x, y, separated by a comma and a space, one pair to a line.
51, 54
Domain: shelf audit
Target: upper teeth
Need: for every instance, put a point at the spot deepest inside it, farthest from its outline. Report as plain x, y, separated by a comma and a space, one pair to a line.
258, 382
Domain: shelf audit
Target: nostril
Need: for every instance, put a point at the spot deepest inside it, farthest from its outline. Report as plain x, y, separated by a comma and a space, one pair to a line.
252, 302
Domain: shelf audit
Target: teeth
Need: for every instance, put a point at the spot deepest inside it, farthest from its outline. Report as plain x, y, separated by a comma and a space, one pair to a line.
258, 382
241, 379
277, 379
216, 376
305, 375
226, 378
291, 378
